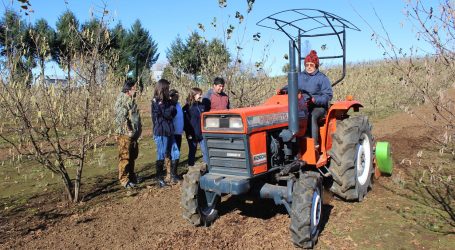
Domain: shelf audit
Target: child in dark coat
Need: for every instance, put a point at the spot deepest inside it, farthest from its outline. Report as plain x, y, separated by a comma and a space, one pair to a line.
163, 113
192, 125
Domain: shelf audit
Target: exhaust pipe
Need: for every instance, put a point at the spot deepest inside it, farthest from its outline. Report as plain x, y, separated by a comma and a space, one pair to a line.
293, 116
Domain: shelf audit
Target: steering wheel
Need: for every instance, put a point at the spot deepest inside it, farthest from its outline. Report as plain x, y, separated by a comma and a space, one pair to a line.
306, 95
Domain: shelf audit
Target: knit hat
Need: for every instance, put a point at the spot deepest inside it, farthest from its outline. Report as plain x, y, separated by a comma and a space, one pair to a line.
129, 83
312, 57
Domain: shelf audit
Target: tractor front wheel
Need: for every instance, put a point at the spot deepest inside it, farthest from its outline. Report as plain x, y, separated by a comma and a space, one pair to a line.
194, 203
352, 158
306, 209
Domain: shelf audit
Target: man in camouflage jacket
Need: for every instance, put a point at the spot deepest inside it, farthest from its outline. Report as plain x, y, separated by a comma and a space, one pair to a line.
128, 129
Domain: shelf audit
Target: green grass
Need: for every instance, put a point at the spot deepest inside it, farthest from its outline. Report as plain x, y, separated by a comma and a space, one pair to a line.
22, 180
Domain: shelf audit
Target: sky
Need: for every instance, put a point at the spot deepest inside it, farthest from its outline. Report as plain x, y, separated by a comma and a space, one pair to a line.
165, 20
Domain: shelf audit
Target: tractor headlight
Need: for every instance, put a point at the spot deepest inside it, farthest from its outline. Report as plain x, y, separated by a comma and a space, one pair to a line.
235, 122
223, 122
212, 122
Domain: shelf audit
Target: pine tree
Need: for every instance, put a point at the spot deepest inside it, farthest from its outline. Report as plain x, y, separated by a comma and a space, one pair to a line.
189, 56
43, 40
196, 54
141, 49
119, 45
176, 55
15, 47
68, 40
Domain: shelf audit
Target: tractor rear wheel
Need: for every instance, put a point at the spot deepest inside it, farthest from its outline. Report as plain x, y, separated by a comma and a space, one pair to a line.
193, 200
352, 158
306, 209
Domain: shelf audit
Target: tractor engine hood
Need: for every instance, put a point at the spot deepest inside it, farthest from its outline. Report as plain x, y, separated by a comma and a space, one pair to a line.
272, 114
245, 120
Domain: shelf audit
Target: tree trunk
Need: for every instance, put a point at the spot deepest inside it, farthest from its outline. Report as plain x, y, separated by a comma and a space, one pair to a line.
69, 74
77, 182
82, 152
68, 185
42, 71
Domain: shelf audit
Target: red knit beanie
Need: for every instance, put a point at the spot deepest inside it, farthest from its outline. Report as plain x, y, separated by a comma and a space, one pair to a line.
312, 57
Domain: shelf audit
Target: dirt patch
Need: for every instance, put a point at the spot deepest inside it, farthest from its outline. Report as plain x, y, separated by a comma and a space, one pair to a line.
34, 215
152, 220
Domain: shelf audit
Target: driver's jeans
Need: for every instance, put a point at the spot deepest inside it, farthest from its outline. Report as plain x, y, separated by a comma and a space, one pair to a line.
316, 113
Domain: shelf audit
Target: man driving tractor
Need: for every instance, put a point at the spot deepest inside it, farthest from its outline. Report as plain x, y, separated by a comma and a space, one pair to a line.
318, 85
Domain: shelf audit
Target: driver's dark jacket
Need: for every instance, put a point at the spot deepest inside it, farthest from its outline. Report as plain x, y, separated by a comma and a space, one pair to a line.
318, 85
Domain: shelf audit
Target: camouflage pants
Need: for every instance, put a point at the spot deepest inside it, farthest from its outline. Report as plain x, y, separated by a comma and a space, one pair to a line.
128, 151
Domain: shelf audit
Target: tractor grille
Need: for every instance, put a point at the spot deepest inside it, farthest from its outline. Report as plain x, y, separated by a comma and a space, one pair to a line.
227, 156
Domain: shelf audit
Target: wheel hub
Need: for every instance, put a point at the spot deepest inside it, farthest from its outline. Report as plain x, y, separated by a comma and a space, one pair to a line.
363, 160
315, 212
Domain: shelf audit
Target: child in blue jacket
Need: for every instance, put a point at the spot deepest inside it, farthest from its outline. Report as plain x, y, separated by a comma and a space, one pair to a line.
192, 124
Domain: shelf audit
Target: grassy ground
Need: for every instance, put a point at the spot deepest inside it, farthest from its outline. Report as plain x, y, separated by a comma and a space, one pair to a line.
25, 179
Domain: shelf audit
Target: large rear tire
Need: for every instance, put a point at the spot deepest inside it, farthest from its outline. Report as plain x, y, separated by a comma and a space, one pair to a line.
193, 200
306, 209
352, 158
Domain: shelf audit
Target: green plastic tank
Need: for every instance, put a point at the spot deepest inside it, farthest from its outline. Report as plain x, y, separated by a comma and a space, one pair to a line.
384, 157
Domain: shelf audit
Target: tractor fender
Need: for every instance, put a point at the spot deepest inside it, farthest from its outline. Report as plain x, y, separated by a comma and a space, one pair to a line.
340, 108
336, 111
345, 105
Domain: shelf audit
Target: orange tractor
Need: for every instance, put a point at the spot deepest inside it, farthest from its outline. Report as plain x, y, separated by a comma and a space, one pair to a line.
266, 151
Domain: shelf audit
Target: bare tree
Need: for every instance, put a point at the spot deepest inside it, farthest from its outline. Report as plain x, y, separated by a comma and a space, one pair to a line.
56, 125
428, 76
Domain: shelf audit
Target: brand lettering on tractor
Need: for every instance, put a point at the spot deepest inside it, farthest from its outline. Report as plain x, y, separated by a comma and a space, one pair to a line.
233, 155
267, 120
259, 158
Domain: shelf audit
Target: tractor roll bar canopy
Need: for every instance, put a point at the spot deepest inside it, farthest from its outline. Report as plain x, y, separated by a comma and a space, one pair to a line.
309, 23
